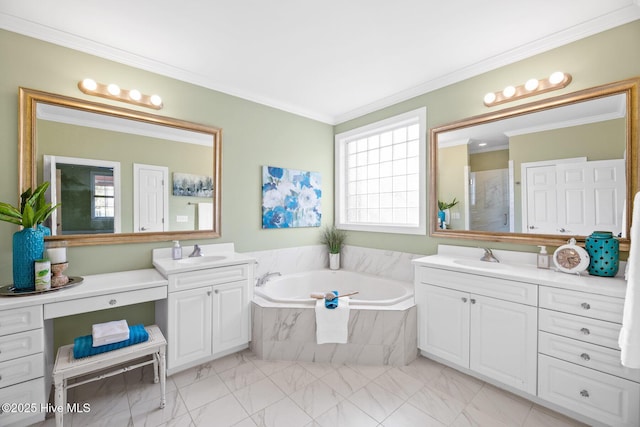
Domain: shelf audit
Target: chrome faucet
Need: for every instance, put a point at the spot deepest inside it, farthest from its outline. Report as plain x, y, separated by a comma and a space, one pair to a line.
488, 256
265, 277
196, 252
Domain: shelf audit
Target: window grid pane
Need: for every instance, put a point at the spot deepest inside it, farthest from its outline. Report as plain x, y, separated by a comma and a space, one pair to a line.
382, 177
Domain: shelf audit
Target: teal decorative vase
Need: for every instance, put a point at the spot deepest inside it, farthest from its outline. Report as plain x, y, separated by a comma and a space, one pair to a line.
604, 251
28, 246
442, 217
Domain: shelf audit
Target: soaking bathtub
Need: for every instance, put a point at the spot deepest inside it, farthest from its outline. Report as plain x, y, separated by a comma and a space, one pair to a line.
382, 320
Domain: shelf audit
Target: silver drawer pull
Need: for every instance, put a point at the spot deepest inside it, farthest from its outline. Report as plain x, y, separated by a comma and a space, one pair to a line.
584, 393
113, 302
585, 331
585, 305
585, 356
464, 299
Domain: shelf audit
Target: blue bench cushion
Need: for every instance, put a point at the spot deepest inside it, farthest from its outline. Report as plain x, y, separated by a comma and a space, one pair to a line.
83, 346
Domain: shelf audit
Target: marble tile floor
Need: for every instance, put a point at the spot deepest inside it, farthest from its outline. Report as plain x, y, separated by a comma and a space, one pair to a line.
243, 391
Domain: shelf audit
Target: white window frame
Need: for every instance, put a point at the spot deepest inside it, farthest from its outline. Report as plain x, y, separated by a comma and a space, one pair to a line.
420, 116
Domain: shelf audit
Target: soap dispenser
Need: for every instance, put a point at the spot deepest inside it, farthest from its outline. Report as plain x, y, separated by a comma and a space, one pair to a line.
544, 259
176, 251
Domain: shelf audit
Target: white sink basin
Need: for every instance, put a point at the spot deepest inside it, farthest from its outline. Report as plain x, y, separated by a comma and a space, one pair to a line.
201, 259
484, 265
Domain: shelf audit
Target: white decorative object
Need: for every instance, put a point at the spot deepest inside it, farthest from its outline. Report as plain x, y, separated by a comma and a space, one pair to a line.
334, 261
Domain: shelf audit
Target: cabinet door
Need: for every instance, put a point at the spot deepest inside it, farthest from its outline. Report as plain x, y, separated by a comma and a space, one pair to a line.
444, 323
189, 326
230, 316
503, 341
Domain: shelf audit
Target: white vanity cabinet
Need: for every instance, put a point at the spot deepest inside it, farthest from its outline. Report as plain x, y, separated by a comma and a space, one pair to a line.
22, 365
480, 323
579, 362
206, 314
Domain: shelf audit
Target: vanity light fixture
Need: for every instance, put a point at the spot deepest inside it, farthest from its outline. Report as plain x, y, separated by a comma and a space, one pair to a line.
555, 81
113, 91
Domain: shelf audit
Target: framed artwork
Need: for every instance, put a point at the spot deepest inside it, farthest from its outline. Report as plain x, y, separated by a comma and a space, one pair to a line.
290, 198
186, 184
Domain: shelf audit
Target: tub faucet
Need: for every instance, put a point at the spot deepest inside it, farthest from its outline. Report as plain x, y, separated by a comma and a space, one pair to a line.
488, 256
265, 277
196, 252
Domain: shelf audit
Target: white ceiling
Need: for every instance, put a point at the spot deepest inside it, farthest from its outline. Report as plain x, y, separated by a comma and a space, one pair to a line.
330, 61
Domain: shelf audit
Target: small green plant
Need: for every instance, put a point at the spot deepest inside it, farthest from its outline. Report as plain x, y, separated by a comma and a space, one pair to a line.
333, 238
443, 206
34, 209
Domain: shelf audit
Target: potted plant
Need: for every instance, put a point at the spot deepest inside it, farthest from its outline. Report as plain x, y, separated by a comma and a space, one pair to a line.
28, 243
334, 239
442, 208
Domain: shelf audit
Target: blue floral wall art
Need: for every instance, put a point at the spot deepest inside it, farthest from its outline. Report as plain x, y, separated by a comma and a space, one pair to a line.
290, 198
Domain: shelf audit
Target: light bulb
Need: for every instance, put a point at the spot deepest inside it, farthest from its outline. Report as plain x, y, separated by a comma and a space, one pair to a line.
135, 94
556, 77
489, 98
89, 84
509, 91
531, 84
113, 89
156, 100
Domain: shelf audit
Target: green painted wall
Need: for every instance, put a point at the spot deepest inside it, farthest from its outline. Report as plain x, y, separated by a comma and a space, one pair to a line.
606, 57
253, 135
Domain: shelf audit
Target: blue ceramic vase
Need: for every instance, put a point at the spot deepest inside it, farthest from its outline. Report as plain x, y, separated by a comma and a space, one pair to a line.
28, 246
604, 251
442, 217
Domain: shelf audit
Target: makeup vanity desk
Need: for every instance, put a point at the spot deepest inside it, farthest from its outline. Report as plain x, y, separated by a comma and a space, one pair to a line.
26, 334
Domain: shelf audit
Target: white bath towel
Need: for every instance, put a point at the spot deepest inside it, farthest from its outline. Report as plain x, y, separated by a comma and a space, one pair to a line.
205, 216
109, 332
629, 339
332, 324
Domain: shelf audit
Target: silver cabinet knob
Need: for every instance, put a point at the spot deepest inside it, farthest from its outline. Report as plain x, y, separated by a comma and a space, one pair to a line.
531, 227
585, 305
584, 393
585, 331
473, 300
209, 293
216, 291
113, 302
585, 356
562, 230
464, 299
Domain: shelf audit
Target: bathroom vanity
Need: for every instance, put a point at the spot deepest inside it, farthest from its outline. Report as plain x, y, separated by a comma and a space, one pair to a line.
545, 335
206, 314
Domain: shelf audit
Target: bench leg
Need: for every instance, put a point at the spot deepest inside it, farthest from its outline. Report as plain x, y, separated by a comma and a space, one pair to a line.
163, 376
60, 401
156, 369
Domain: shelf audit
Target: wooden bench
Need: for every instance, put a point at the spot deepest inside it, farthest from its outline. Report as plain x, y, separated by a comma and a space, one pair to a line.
67, 367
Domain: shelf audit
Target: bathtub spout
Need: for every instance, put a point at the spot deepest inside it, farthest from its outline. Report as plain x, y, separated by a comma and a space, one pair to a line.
265, 277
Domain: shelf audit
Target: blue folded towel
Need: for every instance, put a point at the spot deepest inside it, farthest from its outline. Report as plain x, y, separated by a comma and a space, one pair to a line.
83, 346
331, 304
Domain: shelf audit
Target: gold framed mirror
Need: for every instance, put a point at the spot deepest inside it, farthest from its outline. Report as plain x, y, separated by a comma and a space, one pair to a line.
121, 176
525, 174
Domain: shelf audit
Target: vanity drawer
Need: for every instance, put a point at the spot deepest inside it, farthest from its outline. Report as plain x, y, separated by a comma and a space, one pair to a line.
579, 328
608, 399
22, 369
102, 302
27, 392
20, 319
208, 277
509, 290
582, 303
588, 355
21, 344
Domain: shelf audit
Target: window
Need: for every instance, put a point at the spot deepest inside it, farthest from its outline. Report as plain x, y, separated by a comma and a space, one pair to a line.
380, 175
103, 196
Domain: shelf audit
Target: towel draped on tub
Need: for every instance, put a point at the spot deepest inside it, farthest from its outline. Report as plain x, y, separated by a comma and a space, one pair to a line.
332, 325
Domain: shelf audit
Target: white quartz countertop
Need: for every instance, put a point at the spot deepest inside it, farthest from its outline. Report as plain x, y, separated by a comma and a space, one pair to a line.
213, 256
521, 267
91, 286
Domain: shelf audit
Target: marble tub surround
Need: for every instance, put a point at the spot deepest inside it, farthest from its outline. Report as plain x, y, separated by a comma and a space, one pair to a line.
390, 264
375, 337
